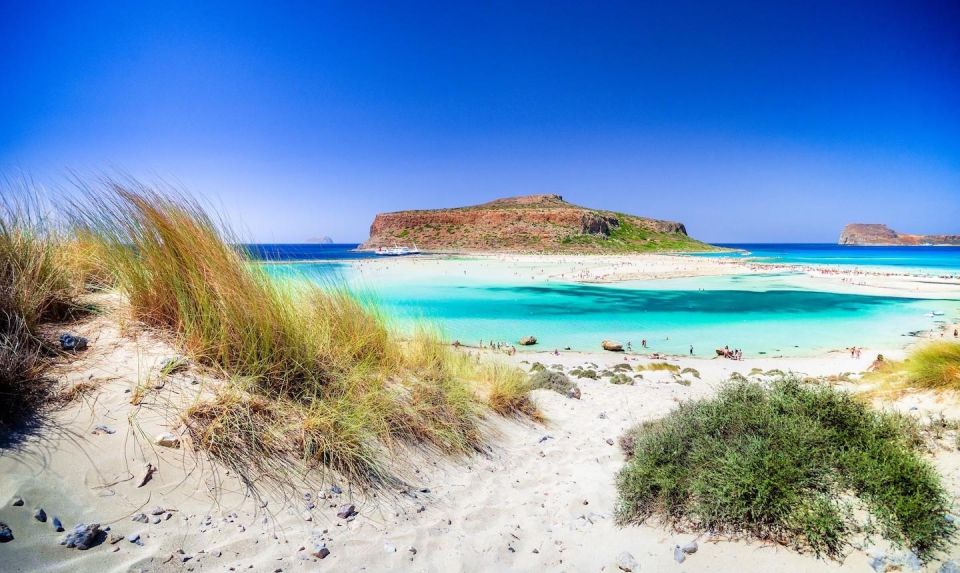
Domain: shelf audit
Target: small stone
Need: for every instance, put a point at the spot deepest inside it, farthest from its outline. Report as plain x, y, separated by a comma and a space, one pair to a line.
346, 511
71, 343
574, 393
83, 536
544, 439
114, 539
133, 537
155, 520
690, 548
17, 502
57, 525
40, 515
167, 440
602, 416
103, 429
321, 553
678, 555
610, 441
626, 562
335, 489
157, 511
6, 534
185, 558
307, 517
421, 509
949, 567
412, 550
140, 517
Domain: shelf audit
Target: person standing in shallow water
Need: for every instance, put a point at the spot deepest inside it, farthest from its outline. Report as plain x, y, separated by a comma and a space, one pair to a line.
691, 350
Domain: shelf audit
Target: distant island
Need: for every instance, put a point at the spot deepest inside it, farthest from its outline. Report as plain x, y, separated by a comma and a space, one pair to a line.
320, 240
530, 223
882, 235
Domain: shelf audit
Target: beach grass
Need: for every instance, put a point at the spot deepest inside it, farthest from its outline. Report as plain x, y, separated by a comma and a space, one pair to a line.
37, 286
791, 463
932, 366
313, 376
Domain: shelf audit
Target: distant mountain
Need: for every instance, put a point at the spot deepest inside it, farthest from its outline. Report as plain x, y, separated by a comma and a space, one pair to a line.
882, 235
531, 223
320, 240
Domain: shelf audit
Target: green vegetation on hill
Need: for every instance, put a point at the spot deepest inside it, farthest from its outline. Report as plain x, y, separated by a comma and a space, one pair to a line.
791, 463
629, 237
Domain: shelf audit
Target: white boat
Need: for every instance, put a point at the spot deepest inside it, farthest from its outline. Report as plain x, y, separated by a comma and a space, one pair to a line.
396, 251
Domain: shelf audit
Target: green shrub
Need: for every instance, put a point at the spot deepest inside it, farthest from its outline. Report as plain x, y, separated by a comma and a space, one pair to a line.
782, 463
582, 373
551, 380
691, 371
537, 367
620, 378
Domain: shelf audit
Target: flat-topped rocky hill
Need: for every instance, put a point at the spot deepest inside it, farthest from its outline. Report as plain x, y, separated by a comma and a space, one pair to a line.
877, 234
530, 223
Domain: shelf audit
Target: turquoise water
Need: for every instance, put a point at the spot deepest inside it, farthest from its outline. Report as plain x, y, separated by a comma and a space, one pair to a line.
927, 260
761, 314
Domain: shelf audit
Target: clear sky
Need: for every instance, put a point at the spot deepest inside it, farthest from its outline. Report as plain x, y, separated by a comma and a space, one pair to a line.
748, 121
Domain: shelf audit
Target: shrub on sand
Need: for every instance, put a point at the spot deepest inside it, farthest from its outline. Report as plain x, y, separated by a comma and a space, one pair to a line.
313, 374
655, 366
789, 463
551, 380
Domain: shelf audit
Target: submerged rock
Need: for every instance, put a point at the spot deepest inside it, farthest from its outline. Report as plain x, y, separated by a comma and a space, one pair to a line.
6, 534
83, 536
626, 562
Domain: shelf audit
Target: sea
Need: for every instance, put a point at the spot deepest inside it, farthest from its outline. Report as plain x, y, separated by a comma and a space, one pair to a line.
772, 314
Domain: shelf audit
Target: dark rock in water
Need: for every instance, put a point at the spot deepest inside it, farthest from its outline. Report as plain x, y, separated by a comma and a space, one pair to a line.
6, 534
84, 536
528, 341
17, 502
347, 511
57, 525
71, 343
40, 515
611, 346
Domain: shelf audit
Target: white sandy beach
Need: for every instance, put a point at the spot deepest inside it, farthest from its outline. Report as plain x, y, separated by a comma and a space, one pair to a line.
541, 498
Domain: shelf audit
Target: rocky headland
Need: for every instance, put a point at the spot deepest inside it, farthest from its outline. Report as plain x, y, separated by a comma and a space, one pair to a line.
533, 224
882, 235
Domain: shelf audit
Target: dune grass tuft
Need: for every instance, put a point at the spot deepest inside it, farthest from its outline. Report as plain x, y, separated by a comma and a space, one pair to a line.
933, 366
790, 463
36, 287
313, 374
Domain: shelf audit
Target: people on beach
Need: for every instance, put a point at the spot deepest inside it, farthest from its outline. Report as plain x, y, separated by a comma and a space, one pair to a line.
643, 343
691, 350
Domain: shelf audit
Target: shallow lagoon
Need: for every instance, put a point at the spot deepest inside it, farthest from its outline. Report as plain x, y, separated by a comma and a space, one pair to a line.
762, 314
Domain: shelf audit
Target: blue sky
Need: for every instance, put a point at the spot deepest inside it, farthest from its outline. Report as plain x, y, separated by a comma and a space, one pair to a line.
748, 121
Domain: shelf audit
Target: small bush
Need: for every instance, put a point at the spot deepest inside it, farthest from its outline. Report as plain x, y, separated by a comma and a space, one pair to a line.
780, 463
655, 366
584, 373
620, 378
933, 366
551, 380
691, 371
621, 367
537, 367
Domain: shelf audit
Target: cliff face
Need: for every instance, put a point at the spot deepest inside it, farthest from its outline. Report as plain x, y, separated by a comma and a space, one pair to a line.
875, 234
533, 223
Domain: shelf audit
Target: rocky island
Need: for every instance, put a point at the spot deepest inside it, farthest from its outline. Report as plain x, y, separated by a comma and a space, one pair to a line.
882, 235
530, 223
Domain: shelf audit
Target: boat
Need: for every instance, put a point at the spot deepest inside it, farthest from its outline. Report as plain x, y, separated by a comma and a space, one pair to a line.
935, 313
396, 251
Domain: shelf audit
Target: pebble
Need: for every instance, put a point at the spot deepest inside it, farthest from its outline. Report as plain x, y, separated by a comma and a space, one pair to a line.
307, 516
678, 555
610, 441
690, 548
335, 489
157, 511
57, 525
626, 562
347, 511
140, 517
103, 428
167, 440
133, 538
82, 536
155, 520
40, 515
6, 534
574, 393
17, 502
321, 553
